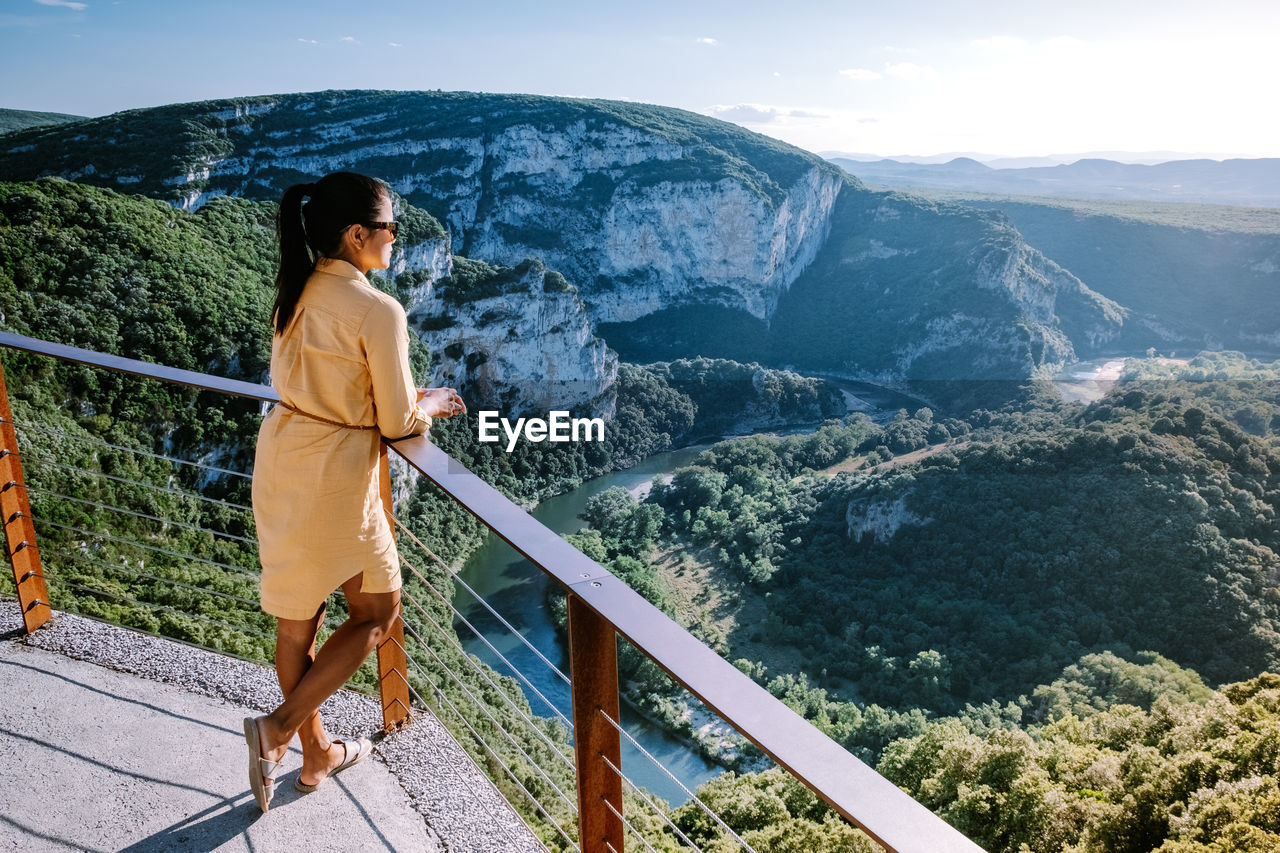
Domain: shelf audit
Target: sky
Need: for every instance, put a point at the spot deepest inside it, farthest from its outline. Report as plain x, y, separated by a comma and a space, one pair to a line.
912, 77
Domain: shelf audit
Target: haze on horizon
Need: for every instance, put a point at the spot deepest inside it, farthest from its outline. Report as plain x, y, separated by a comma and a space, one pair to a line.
919, 78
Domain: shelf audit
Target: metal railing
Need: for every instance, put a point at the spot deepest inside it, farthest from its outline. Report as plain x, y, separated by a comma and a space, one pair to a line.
600, 609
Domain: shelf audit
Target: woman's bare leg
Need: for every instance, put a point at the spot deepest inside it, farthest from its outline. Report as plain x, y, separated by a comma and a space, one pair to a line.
372, 614
295, 653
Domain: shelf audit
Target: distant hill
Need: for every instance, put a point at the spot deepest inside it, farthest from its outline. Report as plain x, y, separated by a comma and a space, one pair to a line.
1254, 183
1195, 276
22, 119
681, 233
1002, 161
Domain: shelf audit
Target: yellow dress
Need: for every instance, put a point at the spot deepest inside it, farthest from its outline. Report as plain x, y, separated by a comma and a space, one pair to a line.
343, 357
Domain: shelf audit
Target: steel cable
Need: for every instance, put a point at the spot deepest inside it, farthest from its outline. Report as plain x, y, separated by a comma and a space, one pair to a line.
41, 491
177, 492
122, 541
480, 636
467, 781
480, 669
673, 778
485, 745
127, 600
484, 709
88, 439
627, 824
650, 803
140, 573
482, 601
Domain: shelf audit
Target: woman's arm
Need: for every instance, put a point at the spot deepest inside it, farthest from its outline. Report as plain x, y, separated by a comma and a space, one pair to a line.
385, 337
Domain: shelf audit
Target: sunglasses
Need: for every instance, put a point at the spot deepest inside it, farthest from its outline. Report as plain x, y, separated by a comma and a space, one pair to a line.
393, 227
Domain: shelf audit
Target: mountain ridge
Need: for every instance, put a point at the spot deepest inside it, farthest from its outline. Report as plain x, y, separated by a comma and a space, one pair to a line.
12, 120
1236, 181
645, 210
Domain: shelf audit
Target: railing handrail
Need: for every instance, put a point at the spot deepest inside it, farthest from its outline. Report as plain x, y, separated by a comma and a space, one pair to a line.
885, 812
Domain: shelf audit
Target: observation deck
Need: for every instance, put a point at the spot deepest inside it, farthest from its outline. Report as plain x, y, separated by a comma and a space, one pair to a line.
118, 740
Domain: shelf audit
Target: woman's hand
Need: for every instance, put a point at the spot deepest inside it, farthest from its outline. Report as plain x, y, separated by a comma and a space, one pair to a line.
441, 402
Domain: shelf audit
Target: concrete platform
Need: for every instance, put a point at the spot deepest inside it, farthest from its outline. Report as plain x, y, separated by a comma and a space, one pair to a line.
96, 759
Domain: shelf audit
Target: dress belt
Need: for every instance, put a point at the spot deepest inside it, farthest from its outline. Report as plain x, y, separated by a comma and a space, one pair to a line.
298, 411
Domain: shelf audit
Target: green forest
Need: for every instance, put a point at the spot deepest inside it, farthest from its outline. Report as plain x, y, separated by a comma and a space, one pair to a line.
1033, 605
1054, 624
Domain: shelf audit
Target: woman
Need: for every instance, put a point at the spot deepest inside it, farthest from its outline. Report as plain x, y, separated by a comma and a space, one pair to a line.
340, 362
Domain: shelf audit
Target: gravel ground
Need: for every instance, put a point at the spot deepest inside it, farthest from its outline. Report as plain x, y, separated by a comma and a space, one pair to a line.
463, 813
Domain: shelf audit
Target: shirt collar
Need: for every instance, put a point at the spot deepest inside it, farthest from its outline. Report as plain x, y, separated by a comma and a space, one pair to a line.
340, 268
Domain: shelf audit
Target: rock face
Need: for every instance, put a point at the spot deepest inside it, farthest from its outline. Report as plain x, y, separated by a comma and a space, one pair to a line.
518, 338
1200, 279
742, 252
904, 288
430, 259
877, 520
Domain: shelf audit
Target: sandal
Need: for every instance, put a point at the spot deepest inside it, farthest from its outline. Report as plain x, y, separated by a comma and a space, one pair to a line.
262, 771
362, 748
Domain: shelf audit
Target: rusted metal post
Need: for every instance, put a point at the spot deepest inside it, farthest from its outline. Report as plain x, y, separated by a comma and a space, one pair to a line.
393, 665
19, 529
593, 662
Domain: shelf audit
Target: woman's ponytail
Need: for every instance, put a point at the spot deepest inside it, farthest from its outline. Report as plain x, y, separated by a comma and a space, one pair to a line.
312, 230
296, 262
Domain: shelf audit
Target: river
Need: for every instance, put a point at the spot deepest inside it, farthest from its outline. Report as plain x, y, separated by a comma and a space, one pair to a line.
518, 591
1089, 381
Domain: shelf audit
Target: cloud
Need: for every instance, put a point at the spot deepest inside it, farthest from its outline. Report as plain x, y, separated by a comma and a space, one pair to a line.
901, 70
79, 7
350, 39
777, 74
1000, 44
308, 41
761, 113
394, 44
1065, 43
745, 113
708, 41
908, 70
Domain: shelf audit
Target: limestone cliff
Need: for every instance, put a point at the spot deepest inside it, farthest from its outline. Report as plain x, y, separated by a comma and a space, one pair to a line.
878, 519
906, 288
518, 338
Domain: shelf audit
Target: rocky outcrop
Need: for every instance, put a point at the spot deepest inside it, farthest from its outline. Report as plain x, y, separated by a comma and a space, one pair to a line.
872, 520
739, 251
909, 289
517, 338
430, 259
